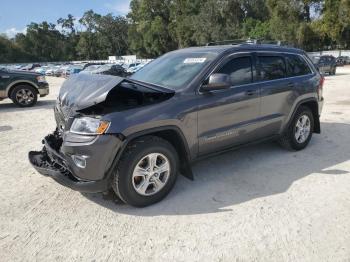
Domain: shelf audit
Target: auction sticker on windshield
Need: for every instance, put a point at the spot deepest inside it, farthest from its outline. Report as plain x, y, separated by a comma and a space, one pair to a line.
194, 60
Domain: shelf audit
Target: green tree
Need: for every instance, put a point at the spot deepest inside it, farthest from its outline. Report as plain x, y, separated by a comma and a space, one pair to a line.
71, 37
43, 41
218, 20
149, 32
10, 52
183, 16
112, 33
87, 46
335, 23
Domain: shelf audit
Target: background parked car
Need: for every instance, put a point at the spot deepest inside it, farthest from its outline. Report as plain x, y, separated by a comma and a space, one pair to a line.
325, 64
134, 69
30, 67
107, 69
128, 66
111, 69
343, 60
22, 87
91, 64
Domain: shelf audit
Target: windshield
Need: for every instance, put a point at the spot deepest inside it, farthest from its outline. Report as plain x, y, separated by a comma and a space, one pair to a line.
174, 70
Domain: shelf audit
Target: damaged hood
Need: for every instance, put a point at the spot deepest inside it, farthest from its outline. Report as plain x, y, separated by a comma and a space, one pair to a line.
84, 90
81, 91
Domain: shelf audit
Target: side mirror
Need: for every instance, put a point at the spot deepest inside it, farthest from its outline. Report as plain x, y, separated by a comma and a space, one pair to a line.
217, 82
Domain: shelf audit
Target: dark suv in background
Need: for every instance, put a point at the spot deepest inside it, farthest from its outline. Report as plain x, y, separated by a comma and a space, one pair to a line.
22, 87
326, 64
134, 135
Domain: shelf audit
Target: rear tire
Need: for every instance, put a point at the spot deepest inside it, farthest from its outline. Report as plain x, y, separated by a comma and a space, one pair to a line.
24, 95
299, 132
136, 181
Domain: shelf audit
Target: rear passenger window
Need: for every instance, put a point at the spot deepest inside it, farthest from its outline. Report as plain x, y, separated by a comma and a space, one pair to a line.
297, 66
272, 67
239, 69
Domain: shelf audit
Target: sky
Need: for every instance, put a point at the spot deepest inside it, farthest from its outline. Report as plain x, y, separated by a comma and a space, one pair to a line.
16, 14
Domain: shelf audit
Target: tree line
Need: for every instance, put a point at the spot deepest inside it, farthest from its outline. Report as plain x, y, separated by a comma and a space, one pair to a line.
153, 27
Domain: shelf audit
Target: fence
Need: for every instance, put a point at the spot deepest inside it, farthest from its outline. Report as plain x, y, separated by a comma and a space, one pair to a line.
334, 53
120, 61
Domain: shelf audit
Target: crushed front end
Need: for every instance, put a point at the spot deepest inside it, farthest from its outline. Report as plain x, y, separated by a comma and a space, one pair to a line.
79, 165
82, 151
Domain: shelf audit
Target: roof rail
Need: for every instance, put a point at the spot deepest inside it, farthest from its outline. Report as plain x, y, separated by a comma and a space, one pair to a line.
248, 41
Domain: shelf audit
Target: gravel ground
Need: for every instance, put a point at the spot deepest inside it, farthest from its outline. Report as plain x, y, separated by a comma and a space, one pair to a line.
260, 203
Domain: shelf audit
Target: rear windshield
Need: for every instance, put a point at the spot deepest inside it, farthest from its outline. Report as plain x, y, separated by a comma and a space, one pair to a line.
174, 70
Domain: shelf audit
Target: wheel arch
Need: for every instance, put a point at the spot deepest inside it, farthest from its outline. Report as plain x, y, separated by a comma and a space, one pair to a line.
312, 104
174, 136
20, 82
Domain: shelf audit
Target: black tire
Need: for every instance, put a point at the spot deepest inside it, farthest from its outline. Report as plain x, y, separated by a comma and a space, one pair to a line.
288, 140
135, 152
28, 89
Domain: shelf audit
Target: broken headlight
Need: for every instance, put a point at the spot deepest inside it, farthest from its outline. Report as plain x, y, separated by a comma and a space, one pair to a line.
89, 126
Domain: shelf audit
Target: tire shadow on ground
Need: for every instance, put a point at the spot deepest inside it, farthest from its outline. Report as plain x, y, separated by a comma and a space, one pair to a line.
239, 176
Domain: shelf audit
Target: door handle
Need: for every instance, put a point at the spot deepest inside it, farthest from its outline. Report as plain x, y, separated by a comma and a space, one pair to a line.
250, 92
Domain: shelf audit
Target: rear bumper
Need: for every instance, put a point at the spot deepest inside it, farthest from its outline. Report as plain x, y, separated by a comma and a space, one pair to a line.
54, 163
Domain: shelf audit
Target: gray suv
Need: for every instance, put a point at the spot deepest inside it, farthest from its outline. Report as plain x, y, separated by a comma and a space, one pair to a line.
325, 64
135, 135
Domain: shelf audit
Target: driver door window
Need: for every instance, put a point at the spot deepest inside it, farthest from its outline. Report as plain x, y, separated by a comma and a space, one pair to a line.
239, 69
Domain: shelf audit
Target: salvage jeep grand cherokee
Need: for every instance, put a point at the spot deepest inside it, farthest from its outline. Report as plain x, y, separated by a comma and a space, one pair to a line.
134, 135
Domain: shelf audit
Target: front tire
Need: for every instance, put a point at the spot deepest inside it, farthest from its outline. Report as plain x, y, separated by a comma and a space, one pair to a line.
299, 132
24, 95
146, 172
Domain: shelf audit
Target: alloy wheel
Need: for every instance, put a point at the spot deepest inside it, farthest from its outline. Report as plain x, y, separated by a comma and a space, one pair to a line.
302, 129
151, 174
24, 96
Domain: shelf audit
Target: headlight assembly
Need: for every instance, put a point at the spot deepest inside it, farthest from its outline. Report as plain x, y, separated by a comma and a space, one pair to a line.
89, 126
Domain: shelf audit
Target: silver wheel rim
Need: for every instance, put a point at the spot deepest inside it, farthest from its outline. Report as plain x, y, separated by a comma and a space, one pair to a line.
151, 174
302, 129
24, 96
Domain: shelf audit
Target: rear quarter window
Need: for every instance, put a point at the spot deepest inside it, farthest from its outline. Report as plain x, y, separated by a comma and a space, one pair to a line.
272, 67
297, 66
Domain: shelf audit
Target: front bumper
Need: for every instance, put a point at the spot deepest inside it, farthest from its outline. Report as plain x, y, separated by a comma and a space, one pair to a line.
55, 161
43, 89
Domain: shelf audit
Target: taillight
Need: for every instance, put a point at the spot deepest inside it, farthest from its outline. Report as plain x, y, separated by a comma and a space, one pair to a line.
320, 88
